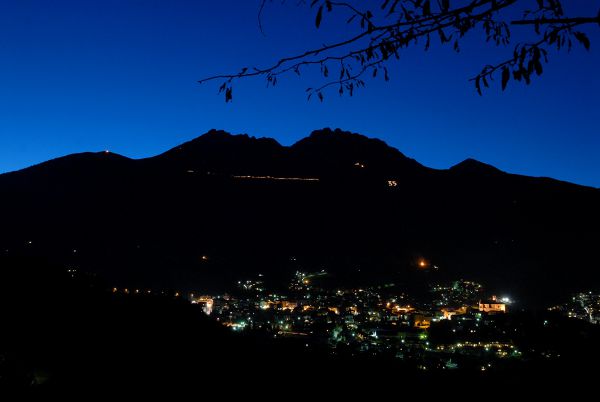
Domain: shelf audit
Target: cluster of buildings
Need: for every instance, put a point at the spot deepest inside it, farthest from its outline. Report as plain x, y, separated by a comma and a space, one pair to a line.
452, 325
584, 306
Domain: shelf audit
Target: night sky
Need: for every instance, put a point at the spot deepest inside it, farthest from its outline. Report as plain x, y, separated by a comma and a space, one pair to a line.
122, 75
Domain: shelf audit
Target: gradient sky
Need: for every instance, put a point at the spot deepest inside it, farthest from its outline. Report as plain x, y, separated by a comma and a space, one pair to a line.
121, 75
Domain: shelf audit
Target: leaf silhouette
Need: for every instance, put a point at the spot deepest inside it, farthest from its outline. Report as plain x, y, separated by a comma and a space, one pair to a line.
583, 39
505, 77
319, 17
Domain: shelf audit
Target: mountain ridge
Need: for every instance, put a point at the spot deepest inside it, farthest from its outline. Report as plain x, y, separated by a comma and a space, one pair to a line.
223, 140
336, 201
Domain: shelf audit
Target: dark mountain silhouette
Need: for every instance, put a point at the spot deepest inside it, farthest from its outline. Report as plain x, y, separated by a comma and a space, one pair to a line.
472, 166
221, 153
334, 200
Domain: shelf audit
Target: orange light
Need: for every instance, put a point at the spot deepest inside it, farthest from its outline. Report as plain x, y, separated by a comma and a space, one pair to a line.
422, 263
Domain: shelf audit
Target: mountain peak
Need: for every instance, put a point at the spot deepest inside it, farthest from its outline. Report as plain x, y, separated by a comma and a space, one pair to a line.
336, 150
214, 137
222, 141
336, 140
220, 151
339, 136
327, 132
471, 165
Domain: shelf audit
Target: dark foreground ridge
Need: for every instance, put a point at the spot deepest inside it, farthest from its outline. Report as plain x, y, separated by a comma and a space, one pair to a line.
66, 333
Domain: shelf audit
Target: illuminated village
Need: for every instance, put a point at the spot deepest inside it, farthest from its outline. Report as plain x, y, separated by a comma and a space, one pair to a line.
455, 326
451, 325
584, 306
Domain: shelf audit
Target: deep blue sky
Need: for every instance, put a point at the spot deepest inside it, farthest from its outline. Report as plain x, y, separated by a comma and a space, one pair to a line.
121, 75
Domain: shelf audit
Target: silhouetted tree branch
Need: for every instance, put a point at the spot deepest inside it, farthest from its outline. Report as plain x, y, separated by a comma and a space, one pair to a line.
397, 24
